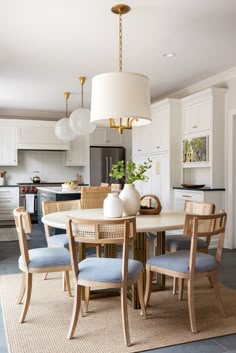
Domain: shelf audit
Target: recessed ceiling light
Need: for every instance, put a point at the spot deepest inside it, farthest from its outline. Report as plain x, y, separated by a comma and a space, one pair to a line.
168, 55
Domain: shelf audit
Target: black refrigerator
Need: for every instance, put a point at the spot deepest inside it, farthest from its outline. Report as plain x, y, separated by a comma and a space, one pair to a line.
101, 160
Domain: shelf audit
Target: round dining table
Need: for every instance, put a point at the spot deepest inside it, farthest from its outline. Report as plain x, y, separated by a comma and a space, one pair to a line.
157, 225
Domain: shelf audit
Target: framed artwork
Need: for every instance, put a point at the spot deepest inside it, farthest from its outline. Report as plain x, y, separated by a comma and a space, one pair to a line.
196, 150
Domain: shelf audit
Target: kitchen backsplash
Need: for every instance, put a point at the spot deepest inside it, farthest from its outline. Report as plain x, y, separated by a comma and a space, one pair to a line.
50, 164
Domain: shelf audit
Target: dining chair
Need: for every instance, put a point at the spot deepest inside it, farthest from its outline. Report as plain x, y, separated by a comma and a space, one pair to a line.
38, 260
176, 242
93, 197
190, 264
58, 240
105, 272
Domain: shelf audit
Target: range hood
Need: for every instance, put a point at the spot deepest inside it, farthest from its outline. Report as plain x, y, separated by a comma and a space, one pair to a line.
40, 138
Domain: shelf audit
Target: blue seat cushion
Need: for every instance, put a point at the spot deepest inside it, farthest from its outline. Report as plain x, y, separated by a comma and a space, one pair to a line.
60, 240
46, 257
181, 242
107, 270
179, 261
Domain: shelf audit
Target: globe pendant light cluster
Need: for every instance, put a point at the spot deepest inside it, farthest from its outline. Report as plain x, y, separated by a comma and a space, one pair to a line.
62, 129
79, 120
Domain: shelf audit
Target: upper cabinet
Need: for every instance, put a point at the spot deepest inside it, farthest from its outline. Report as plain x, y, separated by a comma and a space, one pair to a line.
8, 152
141, 140
106, 136
203, 116
39, 135
160, 141
196, 116
77, 155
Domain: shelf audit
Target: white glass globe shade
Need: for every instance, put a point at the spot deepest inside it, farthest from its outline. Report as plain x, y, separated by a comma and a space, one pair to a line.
63, 130
79, 122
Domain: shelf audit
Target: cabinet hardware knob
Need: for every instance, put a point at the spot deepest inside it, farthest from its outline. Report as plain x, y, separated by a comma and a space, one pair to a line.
139, 150
157, 146
195, 126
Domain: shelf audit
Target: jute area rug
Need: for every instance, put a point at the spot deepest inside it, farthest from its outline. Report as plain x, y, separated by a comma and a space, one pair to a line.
101, 329
8, 234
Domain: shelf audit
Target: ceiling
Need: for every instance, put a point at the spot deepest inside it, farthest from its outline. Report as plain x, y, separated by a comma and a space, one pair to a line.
46, 45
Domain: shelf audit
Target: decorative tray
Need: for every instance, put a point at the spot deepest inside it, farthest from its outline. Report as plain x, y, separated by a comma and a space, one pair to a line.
193, 186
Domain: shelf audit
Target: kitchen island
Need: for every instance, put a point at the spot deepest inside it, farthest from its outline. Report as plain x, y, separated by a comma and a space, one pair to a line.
55, 194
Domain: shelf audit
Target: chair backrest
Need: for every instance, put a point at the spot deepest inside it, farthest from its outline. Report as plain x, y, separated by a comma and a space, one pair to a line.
116, 187
23, 226
205, 225
57, 206
119, 231
93, 196
104, 184
200, 208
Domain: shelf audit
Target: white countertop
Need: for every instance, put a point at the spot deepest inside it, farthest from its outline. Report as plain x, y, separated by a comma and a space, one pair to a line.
59, 190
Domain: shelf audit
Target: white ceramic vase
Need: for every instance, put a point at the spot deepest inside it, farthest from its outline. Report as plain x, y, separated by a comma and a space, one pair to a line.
113, 206
131, 199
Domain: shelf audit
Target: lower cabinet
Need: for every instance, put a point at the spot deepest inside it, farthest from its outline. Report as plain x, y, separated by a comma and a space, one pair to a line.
52, 196
215, 196
9, 199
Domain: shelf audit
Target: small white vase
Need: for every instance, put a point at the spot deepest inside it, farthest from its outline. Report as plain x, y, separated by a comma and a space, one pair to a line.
113, 206
131, 199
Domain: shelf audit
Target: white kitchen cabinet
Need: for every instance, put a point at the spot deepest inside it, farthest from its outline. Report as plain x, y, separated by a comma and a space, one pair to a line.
106, 136
161, 179
162, 145
160, 128
141, 140
40, 135
8, 152
197, 116
214, 196
203, 114
77, 155
9, 199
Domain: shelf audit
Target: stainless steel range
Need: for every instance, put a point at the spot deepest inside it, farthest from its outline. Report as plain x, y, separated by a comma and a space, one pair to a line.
29, 199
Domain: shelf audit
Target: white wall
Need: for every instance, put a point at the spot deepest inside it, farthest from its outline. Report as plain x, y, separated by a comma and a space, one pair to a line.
51, 164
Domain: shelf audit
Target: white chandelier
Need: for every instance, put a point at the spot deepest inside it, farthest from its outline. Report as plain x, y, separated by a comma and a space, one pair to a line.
120, 100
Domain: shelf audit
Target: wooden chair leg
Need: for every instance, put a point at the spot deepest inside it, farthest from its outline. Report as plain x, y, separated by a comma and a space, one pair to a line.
140, 295
211, 282
67, 282
75, 313
28, 277
174, 285
191, 307
148, 286
64, 281
86, 298
22, 289
219, 301
45, 276
124, 313
98, 250
181, 288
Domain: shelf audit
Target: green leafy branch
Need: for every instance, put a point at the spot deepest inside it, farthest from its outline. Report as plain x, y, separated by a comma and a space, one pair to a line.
131, 172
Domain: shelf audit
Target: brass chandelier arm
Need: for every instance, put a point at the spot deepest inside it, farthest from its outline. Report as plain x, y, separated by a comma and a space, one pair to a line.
122, 127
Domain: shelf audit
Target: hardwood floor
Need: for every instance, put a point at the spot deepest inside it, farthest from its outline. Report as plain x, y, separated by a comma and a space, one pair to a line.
9, 253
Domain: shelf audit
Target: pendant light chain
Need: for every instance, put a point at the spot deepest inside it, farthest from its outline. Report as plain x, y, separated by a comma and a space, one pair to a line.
120, 43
